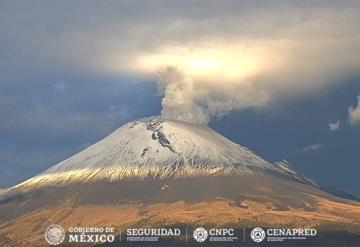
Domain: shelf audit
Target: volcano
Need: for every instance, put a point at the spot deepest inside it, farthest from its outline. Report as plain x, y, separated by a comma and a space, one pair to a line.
162, 150
156, 171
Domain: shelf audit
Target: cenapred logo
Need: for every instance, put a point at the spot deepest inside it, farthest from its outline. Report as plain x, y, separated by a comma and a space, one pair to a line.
200, 234
54, 235
257, 234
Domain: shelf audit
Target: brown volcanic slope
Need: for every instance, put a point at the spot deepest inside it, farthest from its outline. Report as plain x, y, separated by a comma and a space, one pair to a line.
239, 200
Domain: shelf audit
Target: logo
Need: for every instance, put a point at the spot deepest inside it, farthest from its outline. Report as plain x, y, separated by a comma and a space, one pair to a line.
257, 234
200, 234
91, 234
54, 234
151, 234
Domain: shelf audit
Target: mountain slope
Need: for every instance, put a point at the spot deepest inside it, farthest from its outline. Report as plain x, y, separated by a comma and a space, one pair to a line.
158, 148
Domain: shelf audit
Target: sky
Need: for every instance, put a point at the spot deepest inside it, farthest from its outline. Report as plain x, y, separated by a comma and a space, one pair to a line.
280, 77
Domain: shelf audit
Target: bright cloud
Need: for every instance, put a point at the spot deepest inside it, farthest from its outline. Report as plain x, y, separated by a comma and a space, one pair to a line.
209, 58
334, 126
354, 113
221, 62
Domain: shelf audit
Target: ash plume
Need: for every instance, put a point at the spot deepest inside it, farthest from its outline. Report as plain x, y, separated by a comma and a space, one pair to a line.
197, 101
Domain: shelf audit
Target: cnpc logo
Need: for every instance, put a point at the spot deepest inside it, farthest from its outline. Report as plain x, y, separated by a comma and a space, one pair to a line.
200, 234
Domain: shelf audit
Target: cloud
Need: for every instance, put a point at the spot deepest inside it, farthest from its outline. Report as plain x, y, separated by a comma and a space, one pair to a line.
221, 56
221, 62
312, 147
334, 126
354, 113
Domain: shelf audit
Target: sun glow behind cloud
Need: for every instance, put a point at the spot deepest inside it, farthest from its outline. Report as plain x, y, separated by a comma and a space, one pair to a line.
209, 66
215, 63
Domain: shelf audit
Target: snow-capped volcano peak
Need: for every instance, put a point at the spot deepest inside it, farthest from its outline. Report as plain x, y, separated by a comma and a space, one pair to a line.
158, 148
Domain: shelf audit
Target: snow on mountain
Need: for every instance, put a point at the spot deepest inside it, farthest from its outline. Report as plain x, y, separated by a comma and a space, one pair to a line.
158, 148
289, 170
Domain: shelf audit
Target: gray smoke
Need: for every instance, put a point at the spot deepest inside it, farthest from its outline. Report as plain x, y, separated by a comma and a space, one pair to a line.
194, 101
